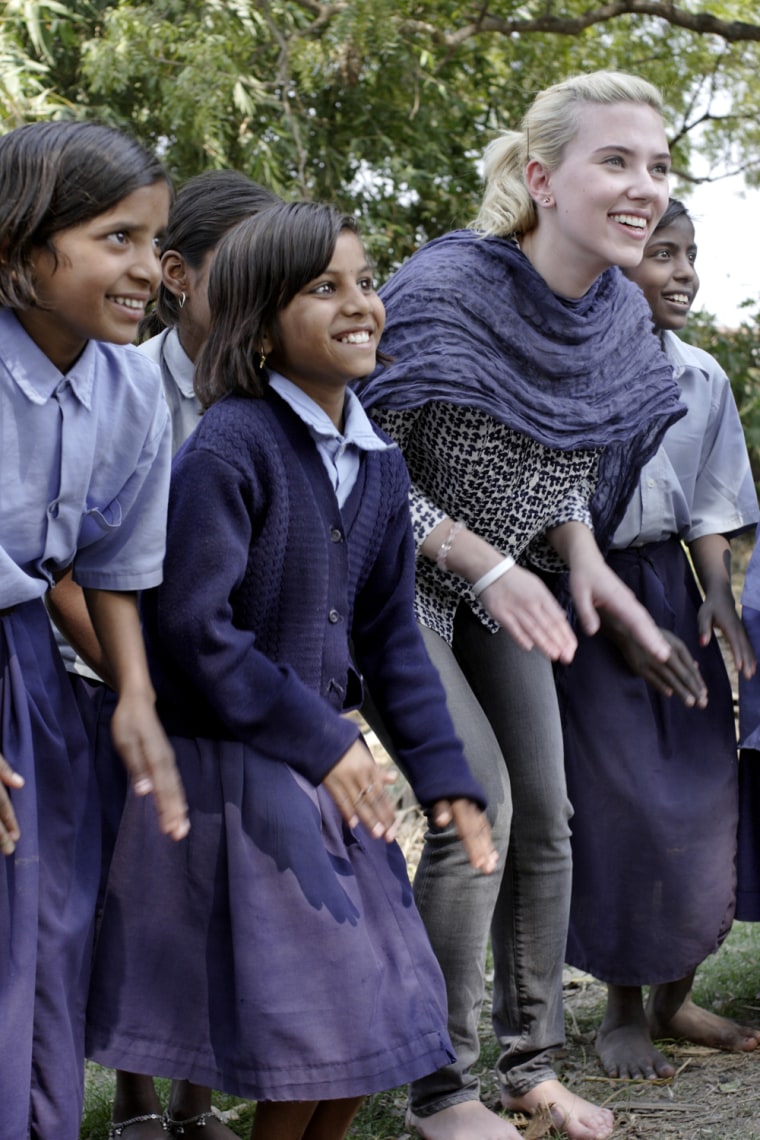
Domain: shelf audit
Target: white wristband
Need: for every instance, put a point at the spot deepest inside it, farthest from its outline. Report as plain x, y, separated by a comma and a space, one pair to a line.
492, 575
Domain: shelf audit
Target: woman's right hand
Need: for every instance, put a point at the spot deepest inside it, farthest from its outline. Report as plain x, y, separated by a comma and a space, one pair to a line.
9, 829
357, 784
528, 611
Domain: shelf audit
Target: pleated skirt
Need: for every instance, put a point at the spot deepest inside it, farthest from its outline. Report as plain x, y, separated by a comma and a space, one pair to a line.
275, 953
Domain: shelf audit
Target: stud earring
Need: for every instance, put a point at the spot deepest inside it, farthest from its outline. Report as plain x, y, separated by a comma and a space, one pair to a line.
547, 200
182, 299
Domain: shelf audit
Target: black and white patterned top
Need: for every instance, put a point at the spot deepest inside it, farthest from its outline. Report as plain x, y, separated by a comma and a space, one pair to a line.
505, 486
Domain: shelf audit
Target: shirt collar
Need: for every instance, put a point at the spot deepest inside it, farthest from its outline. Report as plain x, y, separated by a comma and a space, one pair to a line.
34, 373
357, 428
179, 363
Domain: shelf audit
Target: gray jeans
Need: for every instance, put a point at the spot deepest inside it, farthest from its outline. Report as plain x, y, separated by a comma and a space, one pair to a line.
504, 707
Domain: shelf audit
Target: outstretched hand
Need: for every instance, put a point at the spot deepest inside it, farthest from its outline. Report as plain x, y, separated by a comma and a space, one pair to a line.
140, 740
357, 784
9, 829
679, 675
473, 829
595, 587
528, 611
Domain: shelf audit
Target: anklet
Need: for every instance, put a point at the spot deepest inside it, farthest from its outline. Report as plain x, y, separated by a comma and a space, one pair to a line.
115, 1129
178, 1127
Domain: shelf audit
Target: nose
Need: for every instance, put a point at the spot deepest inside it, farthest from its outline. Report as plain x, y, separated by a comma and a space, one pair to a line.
146, 266
356, 300
647, 186
683, 268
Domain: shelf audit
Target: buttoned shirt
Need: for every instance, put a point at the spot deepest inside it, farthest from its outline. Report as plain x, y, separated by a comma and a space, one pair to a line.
85, 468
340, 452
699, 482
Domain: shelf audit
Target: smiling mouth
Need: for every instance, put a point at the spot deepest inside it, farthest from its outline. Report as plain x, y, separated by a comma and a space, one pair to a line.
362, 336
630, 221
129, 303
677, 298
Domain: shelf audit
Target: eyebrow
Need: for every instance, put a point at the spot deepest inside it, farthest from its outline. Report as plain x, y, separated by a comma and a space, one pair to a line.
663, 243
627, 150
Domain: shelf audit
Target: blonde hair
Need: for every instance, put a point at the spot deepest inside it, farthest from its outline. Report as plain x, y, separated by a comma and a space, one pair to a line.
549, 124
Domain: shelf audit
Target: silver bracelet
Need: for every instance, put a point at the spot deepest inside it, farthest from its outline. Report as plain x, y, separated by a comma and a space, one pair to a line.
492, 575
445, 548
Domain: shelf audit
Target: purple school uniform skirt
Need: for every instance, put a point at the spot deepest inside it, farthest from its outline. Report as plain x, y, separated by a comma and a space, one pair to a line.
654, 789
47, 887
274, 953
748, 854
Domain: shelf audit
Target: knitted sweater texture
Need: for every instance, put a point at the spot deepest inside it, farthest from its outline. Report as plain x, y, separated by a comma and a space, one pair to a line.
268, 585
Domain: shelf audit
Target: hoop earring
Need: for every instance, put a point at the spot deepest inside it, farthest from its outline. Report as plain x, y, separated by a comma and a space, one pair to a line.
182, 299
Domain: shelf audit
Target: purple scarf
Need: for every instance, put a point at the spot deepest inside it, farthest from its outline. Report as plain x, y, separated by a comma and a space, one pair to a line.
470, 321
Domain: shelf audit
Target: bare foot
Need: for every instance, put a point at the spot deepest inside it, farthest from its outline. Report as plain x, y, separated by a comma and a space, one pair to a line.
691, 1023
626, 1051
462, 1122
577, 1118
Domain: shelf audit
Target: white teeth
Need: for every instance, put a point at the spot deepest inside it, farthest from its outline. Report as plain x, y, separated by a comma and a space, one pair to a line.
129, 302
355, 338
679, 298
630, 220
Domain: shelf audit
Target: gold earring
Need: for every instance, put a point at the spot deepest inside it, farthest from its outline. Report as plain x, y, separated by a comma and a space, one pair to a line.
262, 359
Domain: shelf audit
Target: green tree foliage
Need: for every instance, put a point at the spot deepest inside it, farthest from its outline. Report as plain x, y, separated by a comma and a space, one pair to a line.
382, 106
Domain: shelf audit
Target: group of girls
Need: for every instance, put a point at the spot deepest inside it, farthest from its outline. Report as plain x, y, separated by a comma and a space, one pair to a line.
276, 950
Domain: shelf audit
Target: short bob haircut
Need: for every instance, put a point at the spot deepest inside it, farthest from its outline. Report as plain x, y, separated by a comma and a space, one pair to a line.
54, 176
205, 208
549, 124
258, 269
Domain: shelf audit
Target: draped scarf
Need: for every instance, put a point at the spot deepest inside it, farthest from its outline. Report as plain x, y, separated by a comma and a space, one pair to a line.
471, 322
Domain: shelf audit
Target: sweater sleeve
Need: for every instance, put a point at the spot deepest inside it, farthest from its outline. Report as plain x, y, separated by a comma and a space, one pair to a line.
213, 510
404, 684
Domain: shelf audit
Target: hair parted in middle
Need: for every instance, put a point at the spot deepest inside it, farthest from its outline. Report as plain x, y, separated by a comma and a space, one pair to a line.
548, 125
259, 267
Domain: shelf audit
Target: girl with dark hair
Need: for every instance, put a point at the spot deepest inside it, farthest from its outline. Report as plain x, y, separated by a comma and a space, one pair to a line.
300, 974
653, 781
84, 466
206, 207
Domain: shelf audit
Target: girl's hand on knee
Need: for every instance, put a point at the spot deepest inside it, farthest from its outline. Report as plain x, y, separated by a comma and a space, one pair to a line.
473, 829
357, 784
141, 742
528, 611
9, 829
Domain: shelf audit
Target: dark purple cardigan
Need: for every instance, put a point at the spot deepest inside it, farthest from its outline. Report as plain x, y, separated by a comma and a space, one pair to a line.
267, 582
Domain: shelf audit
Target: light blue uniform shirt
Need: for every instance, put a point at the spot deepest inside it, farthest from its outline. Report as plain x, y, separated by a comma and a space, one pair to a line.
177, 372
340, 453
699, 481
84, 468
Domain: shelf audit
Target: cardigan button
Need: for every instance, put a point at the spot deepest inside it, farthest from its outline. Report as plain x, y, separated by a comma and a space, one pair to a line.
333, 617
335, 534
